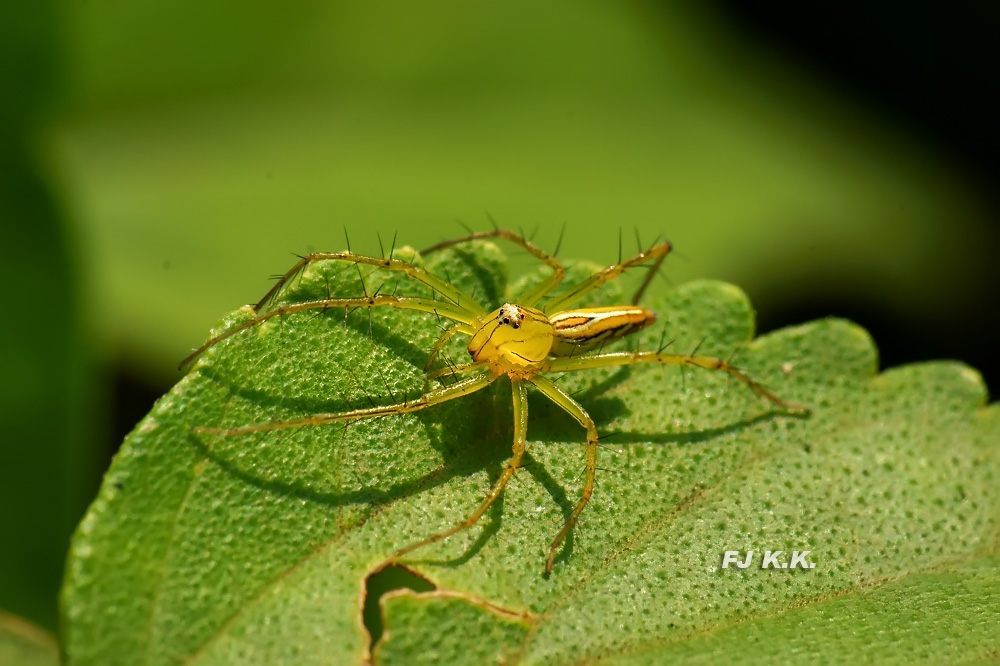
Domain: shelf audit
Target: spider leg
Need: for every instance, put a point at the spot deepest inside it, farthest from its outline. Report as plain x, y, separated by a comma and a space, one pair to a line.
452, 295
444, 339
650, 274
440, 308
612, 359
532, 297
520, 392
429, 399
655, 254
462, 369
563, 399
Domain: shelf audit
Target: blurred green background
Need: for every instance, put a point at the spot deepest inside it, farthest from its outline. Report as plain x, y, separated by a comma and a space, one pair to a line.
158, 161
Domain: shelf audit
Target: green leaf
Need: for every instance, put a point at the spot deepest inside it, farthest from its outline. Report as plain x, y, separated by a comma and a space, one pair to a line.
50, 396
24, 644
257, 548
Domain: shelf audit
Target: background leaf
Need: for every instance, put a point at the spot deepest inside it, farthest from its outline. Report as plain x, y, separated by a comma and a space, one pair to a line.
194, 171
50, 394
23, 644
256, 549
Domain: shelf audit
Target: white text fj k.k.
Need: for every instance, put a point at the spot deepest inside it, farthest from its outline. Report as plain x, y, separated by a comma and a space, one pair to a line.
772, 560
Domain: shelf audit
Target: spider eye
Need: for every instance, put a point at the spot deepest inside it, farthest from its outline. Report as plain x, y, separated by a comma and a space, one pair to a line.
506, 320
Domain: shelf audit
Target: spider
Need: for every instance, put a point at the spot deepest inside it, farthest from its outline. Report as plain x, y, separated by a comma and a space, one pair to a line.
523, 341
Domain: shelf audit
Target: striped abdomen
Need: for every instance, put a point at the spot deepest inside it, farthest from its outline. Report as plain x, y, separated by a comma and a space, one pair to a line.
583, 329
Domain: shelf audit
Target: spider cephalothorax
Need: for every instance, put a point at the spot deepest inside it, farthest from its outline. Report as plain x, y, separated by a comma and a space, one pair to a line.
514, 340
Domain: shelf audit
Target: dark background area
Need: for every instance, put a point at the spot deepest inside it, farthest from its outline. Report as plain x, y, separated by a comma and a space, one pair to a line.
928, 68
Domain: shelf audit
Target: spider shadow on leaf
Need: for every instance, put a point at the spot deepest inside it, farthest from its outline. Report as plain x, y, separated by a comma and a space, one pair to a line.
456, 447
700, 435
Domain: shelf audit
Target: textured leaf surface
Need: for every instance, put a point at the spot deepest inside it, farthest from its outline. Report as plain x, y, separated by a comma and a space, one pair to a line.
255, 549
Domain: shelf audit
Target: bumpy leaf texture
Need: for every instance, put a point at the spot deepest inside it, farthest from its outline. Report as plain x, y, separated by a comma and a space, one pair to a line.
258, 548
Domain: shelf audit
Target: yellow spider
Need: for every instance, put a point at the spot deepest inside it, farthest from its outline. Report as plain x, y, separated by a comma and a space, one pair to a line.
522, 341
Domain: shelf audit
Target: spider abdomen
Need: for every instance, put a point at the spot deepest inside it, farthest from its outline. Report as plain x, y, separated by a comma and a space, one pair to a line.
583, 329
